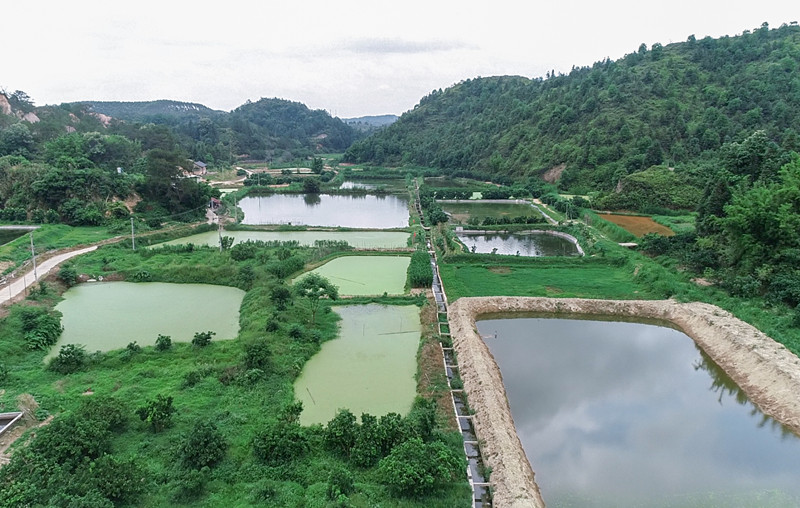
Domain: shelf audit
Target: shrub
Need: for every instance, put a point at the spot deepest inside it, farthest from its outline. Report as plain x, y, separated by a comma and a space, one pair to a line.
203, 446
279, 443
71, 358
68, 275
420, 274
163, 342
415, 468
340, 483
257, 355
202, 339
157, 412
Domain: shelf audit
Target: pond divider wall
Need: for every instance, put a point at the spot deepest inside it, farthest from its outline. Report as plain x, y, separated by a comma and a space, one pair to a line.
481, 488
766, 371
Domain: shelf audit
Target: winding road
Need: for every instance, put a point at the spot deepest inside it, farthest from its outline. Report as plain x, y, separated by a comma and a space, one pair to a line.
16, 286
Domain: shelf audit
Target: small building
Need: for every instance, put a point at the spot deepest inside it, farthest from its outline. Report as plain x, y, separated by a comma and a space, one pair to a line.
214, 203
199, 168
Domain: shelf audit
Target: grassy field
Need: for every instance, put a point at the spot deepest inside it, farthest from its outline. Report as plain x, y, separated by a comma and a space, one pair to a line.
216, 383
556, 279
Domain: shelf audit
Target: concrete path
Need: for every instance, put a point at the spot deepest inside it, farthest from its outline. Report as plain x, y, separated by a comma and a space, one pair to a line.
14, 287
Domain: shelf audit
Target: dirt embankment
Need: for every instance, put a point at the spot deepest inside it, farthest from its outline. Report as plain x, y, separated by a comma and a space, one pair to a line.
767, 372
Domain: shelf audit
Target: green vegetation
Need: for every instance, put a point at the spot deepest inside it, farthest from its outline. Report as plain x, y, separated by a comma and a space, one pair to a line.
671, 106
198, 425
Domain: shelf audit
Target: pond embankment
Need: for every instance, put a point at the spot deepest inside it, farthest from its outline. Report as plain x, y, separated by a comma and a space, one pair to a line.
767, 372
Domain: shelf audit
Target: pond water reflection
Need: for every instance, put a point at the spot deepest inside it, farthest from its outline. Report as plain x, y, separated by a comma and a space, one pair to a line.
627, 414
520, 244
354, 211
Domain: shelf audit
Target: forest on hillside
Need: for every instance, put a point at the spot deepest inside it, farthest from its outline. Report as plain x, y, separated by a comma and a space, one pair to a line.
664, 107
273, 130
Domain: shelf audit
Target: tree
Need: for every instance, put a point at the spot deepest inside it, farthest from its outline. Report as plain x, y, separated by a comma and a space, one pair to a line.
313, 287
311, 186
415, 468
16, 140
163, 342
280, 442
317, 165
341, 432
281, 296
202, 339
203, 446
71, 358
157, 412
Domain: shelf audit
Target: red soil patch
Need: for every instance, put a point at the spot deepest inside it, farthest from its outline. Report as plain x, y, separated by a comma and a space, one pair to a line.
638, 225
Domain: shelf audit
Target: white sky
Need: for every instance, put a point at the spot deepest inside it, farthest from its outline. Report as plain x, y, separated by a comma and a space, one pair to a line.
350, 57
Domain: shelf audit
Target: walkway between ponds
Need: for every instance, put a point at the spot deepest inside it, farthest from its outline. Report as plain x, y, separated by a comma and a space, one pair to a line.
481, 494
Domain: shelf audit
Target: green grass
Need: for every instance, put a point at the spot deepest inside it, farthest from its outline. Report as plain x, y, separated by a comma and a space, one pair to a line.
588, 281
50, 237
206, 383
678, 223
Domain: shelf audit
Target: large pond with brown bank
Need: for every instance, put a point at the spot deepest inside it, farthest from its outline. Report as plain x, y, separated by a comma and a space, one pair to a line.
628, 414
766, 371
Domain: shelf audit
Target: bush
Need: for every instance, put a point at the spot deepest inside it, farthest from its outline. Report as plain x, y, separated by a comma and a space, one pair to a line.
279, 443
257, 355
420, 274
415, 468
202, 339
71, 358
203, 446
163, 342
340, 483
68, 275
157, 412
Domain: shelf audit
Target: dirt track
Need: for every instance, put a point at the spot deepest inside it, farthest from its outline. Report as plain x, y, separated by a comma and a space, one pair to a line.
764, 369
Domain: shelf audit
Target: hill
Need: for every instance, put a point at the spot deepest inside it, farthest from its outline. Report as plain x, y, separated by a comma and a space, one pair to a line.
371, 124
673, 106
150, 111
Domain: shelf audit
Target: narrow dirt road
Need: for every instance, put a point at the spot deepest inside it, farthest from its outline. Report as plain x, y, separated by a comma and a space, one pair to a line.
20, 284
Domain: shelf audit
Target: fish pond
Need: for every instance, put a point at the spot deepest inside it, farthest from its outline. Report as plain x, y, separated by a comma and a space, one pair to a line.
369, 368
629, 414
109, 315
466, 212
9, 234
385, 185
530, 244
353, 211
358, 239
366, 275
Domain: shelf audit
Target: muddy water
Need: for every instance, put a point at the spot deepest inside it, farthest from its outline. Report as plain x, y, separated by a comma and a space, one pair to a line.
109, 315
367, 275
369, 368
359, 239
626, 414
372, 212
462, 211
520, 244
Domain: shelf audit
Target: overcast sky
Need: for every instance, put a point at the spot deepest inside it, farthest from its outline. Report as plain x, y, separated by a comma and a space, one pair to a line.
349, 57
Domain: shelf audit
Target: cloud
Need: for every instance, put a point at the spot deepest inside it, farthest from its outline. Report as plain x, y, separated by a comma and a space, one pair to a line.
394, 45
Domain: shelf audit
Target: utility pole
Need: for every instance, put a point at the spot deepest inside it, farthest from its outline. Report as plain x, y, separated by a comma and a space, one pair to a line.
219, 230
133, 238
33, 256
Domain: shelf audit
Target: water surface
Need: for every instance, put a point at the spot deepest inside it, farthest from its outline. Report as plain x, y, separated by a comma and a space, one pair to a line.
369, 368
359, 239
108, 315
365, 211
462, 211
627, 414
520, 244
366, 275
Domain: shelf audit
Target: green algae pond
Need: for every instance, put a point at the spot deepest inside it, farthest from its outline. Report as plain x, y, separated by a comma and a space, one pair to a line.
104, 316
629, 414
369, 368
366, 275
358, 239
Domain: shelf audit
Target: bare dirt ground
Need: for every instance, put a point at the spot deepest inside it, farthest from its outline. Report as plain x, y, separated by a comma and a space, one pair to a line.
767, 372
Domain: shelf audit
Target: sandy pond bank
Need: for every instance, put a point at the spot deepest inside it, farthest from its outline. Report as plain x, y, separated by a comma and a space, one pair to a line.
764, 369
